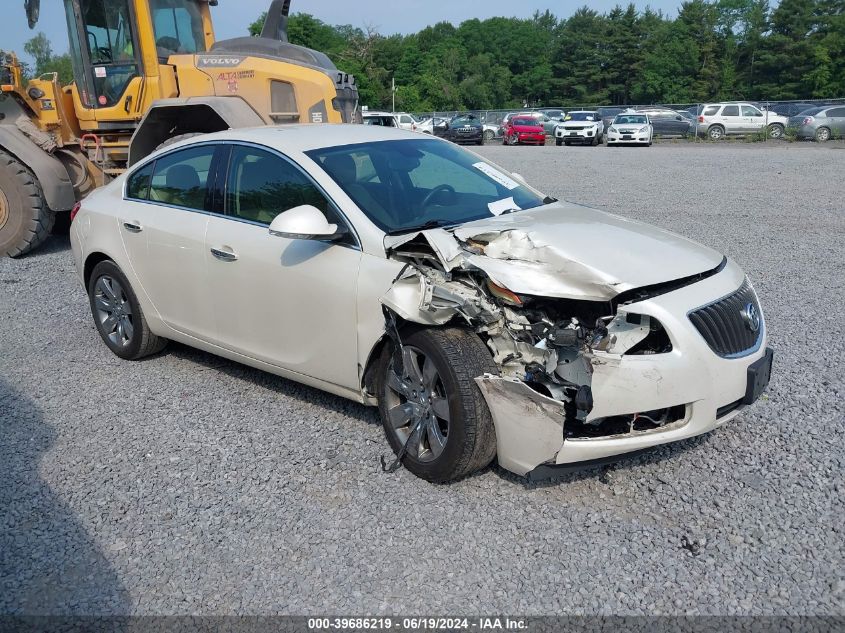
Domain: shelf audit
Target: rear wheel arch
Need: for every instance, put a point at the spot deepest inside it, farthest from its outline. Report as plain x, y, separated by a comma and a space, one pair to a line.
91, 262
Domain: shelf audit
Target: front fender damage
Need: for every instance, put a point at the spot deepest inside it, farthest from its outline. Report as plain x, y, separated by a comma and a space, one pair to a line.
548, 322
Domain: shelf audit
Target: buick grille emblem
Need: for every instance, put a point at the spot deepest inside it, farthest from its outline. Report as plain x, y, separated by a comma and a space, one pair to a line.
751, 317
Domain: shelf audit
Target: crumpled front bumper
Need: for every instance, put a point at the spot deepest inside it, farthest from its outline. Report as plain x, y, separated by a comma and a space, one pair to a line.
529, 425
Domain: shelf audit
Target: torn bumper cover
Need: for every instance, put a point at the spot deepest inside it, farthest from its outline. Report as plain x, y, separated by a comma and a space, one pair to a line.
706, 389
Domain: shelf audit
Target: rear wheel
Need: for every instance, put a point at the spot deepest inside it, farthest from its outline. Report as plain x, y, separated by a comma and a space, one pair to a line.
25, 218
716, 133
118, 315
488, 135
775, 130
429, 402
823, 135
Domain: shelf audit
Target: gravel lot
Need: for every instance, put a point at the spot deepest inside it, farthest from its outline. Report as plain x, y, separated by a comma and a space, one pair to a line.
190, 484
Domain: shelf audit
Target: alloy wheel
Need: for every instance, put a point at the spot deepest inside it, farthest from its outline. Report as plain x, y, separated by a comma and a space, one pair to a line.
417, 405
716, 133
113, 311
822, 136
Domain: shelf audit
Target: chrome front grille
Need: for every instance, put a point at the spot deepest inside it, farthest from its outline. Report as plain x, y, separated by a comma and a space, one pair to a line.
729, 325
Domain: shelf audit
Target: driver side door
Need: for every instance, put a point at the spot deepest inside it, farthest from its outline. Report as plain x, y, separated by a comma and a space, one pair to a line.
287, 302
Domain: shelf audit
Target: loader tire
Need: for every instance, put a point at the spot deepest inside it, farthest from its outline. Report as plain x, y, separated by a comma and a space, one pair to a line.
25, 218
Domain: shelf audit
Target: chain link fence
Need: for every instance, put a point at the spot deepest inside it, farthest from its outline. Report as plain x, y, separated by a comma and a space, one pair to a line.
690, 111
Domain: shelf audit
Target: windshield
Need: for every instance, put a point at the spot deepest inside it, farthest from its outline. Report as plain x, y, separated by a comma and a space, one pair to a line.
581, 116
630, 119
464, 120
526, 121
178, 27
405, 185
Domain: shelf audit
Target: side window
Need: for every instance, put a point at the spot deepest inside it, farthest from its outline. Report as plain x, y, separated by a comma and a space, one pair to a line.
138, 185
261, 185
730, 110
750, 111
180, 178
710, 110
836, 112
178, 27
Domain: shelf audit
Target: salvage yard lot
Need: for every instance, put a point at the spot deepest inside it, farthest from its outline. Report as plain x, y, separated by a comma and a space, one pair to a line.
190, 484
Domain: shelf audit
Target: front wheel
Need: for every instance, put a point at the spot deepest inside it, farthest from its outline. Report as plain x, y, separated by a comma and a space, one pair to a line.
558, 142
488, 135
514, 140
25, 218
118, 315
430, 404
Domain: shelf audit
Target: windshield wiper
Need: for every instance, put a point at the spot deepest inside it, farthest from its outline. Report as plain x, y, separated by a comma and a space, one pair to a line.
431, 224
549, 200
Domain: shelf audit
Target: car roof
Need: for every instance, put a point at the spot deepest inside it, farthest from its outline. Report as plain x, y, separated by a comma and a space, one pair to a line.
306, 136
378, 113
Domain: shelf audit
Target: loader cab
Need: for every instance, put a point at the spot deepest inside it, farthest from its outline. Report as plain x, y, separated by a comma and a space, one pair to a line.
116, 45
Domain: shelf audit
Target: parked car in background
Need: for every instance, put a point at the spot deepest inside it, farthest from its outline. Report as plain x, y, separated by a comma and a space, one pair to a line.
820, 124
464, 128
383, 119
506, 119
524, 129
607, 114
580, 126
667, 122
431, 125
630, 128
484, 319
555, 114
790, 109
405, 121
718, 120
491, 130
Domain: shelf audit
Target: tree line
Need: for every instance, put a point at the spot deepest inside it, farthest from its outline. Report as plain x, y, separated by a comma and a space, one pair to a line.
720, 49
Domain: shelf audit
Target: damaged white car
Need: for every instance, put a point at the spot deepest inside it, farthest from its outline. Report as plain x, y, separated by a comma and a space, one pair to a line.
484, 319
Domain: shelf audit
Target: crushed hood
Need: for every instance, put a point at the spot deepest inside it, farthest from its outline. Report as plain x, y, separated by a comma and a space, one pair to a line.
566, 250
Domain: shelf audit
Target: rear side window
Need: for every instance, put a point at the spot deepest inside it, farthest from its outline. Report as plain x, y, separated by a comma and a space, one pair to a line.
180, 178
836, 112
730, 111
138, 185
710, 110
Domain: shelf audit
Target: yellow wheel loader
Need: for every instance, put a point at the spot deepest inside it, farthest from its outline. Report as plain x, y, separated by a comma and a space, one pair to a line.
146, 72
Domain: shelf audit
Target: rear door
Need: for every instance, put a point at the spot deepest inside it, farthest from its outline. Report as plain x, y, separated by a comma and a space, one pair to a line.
836, 116
163, 224
730, 118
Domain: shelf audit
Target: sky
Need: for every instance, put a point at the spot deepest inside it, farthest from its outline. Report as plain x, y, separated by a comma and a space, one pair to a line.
232, 17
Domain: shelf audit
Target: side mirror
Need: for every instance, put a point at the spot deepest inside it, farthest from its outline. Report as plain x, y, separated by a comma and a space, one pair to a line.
305, 222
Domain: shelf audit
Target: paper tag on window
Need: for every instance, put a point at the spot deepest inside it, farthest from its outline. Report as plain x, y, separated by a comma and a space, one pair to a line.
99, 71
496, 175
500, 206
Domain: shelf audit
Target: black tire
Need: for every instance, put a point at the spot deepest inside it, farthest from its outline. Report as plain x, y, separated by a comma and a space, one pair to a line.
179, 137
480, 141
567, 143
558, 142
25, 218
776, 130
716, 132
459, 356
142, 342
514, 140
822, 135
595, 141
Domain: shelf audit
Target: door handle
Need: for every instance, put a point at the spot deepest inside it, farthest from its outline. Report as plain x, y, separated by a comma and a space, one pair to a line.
133, 227
224, 256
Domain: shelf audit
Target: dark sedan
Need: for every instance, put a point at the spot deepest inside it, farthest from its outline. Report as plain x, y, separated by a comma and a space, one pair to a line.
667, 122
463, 129
607, 114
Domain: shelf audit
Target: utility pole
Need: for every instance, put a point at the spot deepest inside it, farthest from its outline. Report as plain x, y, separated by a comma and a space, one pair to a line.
393, 92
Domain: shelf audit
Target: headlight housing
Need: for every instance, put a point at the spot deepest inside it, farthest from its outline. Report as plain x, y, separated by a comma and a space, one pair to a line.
643, 129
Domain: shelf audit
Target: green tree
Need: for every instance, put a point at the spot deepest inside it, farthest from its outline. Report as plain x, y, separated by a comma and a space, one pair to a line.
46, 62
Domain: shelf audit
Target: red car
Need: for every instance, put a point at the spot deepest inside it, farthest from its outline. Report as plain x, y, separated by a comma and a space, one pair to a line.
524, 129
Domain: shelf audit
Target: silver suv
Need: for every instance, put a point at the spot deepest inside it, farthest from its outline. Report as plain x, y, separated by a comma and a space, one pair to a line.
719, 119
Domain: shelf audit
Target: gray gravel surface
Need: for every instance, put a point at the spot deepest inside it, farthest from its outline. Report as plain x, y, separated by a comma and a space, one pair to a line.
190, 484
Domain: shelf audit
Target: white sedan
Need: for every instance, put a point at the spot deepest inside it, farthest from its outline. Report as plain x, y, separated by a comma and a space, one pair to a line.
484, 319
630, 128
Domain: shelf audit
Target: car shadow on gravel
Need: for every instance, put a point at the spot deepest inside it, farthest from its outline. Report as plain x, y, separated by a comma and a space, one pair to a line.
282, 386
54, 244
49, 564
